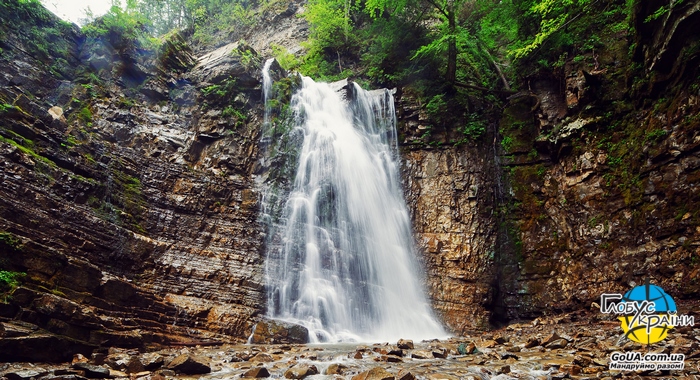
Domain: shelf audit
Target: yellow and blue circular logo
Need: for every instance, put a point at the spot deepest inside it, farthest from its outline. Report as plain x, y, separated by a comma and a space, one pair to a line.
653, 317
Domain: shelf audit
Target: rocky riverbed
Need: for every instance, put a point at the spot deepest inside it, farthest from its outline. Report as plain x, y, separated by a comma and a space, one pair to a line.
576, 345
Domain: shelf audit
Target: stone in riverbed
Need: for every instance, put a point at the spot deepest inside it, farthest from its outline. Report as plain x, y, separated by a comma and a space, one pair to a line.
439, 353
421, 354
405, 344
26, 374
301, 371
559, 343
257, 372
336, 369
376, 373
189, 365
92, 371
151, 361
276, 332
532, 342
405, 375
261, 357
442, 376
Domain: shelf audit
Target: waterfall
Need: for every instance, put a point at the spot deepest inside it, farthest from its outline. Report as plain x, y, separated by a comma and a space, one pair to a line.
345, 265
267, 91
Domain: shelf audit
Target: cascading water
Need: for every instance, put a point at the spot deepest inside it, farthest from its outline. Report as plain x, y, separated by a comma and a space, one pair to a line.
345, 266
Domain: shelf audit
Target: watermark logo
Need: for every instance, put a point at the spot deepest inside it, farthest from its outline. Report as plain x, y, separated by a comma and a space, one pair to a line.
646, 313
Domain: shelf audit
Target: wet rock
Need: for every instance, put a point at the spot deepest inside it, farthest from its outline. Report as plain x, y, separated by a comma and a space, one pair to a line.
376, 373
504, 369
442, 376
571, 369
223, 63
559, 343
489, 344
439, 352
405, 344
301, 371
550, 339
134, 365
257, 372
151, 361
26, 374
405, 374
190, 365
504, 355
532, 342
11, 330
117, 374
273, 332
422, 354
69, 376
357, 355
466, 348
92, 371
79, 358
262, 357
336, 369
389, 358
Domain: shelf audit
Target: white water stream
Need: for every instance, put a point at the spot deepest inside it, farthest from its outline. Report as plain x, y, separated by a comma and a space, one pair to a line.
346, 267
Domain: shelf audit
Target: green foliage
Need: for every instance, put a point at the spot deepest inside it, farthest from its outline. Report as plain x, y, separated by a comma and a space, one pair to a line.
123, 29
663, 10
27, 149
287, 60
473, 129
10, 240
85, 115
331, 39
4, 107
232, 112
507, 143
39, 32
9, 281
437, 110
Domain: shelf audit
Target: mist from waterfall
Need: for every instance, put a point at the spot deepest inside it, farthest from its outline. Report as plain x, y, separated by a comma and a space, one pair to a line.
345, 265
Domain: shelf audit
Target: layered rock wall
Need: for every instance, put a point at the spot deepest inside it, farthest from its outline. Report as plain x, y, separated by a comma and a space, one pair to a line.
127, 195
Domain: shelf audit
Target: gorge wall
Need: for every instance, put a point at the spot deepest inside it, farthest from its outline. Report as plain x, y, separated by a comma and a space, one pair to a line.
128, 192
590, 185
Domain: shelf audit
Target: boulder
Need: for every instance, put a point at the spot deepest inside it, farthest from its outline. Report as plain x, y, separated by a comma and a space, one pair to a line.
261, 357
277, 332
190, 365
25, 374
92, 371
405, 344
405, 374
422, 354
559, 343
376, 373
336, 369
301, 371
257, 372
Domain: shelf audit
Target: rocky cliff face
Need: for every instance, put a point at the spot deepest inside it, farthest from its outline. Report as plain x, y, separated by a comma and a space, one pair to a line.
127, 194
591, 186
603, 166
450, 193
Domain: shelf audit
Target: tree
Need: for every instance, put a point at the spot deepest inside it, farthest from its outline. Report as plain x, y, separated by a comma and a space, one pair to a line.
445, 10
